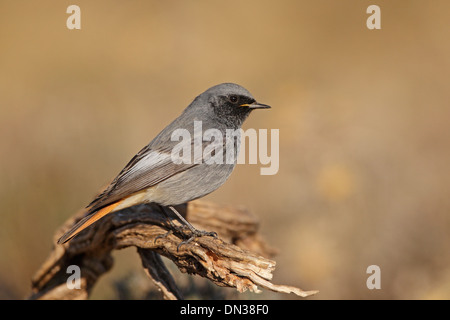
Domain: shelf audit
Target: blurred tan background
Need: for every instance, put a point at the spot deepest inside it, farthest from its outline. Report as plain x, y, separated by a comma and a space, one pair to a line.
363, 118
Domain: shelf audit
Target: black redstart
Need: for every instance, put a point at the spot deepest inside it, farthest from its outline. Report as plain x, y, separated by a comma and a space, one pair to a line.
152, 175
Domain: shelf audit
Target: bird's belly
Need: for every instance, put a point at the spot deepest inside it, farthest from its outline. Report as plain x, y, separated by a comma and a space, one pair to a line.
191, 184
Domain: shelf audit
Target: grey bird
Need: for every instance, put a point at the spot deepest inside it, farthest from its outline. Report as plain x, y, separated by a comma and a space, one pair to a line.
152, 175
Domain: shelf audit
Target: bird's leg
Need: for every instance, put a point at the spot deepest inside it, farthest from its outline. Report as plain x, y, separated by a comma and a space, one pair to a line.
195, 232
172, 225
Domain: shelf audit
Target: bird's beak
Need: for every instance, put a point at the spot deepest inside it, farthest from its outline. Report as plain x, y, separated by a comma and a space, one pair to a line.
256, 105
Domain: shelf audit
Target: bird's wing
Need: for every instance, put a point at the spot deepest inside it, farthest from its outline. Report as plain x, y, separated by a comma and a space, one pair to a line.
154, 163
147, 168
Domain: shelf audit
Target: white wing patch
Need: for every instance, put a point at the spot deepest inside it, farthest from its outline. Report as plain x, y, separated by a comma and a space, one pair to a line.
151, 160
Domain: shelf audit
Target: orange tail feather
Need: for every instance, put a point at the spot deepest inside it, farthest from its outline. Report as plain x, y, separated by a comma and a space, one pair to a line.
87, 221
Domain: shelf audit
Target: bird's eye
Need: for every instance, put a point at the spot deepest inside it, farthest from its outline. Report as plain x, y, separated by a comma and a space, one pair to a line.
233, 98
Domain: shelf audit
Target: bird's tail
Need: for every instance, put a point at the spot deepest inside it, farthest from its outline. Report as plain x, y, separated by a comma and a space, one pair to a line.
87, 221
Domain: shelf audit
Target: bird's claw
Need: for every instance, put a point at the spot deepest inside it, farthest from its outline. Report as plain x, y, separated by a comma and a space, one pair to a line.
196, 234
162, 236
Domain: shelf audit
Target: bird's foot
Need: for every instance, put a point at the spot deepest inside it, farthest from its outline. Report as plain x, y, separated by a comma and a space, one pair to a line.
196, 234
163, 236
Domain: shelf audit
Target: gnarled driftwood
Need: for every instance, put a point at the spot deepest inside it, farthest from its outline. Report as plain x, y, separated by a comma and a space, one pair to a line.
237, 258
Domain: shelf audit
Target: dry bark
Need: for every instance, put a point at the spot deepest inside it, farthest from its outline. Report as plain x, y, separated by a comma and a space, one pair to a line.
237, 258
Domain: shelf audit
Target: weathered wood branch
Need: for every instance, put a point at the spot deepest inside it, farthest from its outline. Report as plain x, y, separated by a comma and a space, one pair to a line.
237, 258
